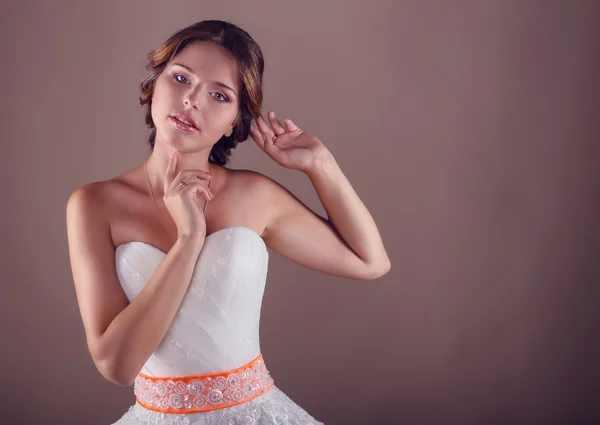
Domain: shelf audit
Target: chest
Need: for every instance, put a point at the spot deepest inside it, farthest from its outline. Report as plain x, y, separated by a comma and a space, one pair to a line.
135, 217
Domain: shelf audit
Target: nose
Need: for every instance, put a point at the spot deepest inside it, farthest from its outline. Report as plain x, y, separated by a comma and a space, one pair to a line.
188, 102
191, 97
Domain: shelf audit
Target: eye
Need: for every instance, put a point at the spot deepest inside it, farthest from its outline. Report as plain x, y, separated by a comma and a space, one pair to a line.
220, 97
180, 78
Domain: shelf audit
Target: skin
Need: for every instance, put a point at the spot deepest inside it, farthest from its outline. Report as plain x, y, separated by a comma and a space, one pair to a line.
103, 215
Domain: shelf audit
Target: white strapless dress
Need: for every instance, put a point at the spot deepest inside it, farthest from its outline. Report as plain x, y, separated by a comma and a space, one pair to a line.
216, 328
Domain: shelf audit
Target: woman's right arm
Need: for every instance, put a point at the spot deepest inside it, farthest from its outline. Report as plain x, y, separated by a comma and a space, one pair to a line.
120, 335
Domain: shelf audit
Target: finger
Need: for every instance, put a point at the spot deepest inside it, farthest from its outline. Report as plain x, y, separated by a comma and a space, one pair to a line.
177, 187
183, 175
268, 140
197, 188
179, 190
275, 124
257, 136
170, 172
187, 182
204, 175
289, 125
263, 127
195, 179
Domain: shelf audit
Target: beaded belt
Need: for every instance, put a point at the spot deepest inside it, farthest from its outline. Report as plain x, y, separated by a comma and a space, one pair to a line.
199, 393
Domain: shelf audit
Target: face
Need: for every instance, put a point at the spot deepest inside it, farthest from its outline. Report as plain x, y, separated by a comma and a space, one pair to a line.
200, 86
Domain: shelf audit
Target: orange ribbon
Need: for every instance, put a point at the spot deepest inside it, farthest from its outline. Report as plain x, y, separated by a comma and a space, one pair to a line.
201, 393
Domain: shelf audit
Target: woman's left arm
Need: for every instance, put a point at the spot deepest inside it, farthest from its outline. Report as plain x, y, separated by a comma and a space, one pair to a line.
349, 243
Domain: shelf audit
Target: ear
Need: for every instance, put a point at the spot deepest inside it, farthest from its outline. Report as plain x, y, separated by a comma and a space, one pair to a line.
233, 124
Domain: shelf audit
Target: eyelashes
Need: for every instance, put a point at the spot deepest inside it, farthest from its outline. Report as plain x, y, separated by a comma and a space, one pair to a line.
223, 97
182, 79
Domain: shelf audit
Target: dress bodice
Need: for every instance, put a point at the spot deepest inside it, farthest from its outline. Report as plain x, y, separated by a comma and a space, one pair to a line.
216, 327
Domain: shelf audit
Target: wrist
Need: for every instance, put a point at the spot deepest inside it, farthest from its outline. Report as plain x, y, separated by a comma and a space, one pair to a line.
323, 163
190, 240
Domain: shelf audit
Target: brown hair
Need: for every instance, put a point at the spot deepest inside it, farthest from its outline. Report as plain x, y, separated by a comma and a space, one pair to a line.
250, 64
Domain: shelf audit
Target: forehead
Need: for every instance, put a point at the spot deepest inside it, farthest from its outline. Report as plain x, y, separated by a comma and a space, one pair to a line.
209, 62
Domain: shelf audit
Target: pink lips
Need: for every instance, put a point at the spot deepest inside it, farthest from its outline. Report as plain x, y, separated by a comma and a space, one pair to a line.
179, 117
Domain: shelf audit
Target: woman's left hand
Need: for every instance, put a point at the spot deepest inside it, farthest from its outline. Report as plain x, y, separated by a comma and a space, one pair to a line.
287, 144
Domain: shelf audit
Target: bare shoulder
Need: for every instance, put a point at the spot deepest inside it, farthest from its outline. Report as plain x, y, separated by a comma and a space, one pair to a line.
242, 178
101, 196
86, 199
262, 190
264, 197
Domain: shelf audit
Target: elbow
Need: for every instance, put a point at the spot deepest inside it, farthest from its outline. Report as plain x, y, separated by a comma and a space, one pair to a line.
115, 374
375, 271
113, 369
383, 270
120, 380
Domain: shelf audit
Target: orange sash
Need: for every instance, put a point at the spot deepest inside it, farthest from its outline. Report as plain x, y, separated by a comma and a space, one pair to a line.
200, 393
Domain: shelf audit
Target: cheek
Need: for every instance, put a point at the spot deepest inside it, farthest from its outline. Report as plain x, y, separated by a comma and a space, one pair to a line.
229, 114
161, 99
161, 92
221, 117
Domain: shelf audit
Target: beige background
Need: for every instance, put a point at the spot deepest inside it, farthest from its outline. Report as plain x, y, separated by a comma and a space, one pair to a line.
470, 130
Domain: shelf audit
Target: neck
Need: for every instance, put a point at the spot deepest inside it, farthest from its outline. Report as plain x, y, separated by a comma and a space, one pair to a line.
157, 164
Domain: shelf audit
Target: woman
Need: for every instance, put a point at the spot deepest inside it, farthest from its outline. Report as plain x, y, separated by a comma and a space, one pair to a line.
170, 259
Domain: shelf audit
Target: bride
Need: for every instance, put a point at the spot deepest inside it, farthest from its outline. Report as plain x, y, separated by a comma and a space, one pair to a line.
169, 260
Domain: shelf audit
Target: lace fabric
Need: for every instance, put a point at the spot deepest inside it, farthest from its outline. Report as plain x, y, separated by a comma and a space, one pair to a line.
216, 328
271, 408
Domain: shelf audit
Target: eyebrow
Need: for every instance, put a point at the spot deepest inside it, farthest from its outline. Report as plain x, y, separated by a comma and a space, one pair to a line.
216, 82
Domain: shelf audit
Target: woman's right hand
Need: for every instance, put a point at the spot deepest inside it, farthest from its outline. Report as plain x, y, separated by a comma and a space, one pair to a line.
185, 204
